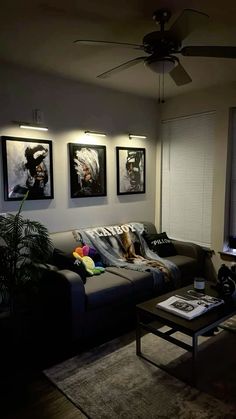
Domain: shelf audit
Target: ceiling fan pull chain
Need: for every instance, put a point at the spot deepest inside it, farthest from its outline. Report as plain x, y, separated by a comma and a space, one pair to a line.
159, 88
163, 83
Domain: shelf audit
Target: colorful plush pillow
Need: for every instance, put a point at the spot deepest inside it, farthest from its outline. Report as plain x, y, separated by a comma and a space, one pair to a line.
160, 244
67, 261
90, 258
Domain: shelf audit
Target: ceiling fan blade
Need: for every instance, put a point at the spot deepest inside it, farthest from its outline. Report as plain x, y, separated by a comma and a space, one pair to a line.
187, 22
121, 67
107, 43
180, 75
209, 51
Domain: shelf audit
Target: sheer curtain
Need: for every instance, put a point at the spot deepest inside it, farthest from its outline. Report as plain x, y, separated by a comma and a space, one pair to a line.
187, 177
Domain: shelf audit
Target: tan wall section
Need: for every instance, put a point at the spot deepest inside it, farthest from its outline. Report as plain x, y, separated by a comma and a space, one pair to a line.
69, 109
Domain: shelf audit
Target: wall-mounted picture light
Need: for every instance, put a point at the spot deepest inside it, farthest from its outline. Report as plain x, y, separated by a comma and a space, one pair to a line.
95, 133
137, 136
37, 123
25, 125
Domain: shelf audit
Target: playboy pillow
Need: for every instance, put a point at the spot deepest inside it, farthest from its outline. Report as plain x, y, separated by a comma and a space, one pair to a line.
160, 244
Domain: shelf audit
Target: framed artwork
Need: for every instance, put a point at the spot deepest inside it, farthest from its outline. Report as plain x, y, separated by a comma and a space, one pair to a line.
130, 170
27, 166
87, 170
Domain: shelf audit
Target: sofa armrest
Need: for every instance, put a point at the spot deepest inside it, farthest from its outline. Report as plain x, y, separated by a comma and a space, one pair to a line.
77, 300
70, 279
202, 256
76, 288
63, 295
189, 249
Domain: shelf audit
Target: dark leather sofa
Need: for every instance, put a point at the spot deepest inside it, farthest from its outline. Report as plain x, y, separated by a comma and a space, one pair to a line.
81, 311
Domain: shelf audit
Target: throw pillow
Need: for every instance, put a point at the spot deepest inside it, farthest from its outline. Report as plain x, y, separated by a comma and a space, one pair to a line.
160, 244
67, 261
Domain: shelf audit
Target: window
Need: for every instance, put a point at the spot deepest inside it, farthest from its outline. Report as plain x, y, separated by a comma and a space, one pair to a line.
187, 177
231, 233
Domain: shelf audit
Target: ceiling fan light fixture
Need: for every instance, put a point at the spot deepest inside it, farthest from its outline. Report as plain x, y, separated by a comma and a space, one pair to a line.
161, 65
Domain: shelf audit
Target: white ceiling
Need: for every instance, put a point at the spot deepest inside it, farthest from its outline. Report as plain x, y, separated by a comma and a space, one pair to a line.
40, 33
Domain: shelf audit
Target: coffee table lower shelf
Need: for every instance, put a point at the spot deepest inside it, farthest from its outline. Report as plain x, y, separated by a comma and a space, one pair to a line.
167, 336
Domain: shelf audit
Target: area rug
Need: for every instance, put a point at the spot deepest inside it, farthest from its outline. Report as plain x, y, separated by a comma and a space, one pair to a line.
112, 382
229, 324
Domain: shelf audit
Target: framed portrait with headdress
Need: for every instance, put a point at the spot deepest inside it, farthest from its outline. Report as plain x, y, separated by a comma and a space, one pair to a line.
87, 170
130, 170
27, 167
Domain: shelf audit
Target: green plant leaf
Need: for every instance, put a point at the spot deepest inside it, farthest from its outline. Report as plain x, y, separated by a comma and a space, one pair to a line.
23, 244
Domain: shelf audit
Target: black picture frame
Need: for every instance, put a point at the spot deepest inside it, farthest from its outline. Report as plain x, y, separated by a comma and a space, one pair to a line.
131, 170
87, 161
27, 166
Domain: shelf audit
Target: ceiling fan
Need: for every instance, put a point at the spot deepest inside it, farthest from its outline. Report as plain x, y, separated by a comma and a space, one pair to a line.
162, 46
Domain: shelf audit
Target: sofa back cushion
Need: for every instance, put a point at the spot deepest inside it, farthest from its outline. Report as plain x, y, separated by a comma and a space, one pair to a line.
149, 227
64, 240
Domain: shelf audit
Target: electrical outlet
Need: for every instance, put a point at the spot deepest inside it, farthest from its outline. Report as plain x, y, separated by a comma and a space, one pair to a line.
38, 116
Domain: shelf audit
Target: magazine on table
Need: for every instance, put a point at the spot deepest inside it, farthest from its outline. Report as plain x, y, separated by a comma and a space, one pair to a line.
190, 305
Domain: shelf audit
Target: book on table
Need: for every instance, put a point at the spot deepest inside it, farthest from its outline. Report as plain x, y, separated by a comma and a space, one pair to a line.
190, 304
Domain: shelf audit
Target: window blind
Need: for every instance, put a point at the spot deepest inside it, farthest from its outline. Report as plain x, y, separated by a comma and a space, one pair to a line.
187, 177
232, 226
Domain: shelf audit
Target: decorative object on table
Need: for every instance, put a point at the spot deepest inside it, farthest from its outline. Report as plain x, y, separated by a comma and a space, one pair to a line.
87, 170
130, 170
27, 167
190, 305
199, 284
23, 244
226, 282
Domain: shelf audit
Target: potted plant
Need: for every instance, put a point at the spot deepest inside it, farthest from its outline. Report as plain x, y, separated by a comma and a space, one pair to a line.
24, 244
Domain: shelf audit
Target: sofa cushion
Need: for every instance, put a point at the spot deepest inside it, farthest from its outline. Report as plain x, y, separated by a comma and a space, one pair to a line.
188, 266
65, 260
107, 289
160, 243
141, 281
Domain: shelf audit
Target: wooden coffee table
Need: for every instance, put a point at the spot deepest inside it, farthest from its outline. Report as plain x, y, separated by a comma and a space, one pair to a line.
148, 314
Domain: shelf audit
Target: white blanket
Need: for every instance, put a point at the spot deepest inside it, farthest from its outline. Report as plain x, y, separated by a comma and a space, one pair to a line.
124, 246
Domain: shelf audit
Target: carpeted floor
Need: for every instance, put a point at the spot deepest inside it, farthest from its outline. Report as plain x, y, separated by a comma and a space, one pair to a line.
229, 324
112, 382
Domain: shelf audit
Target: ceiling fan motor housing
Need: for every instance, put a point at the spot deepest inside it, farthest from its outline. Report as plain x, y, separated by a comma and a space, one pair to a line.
155, 42
162, 16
